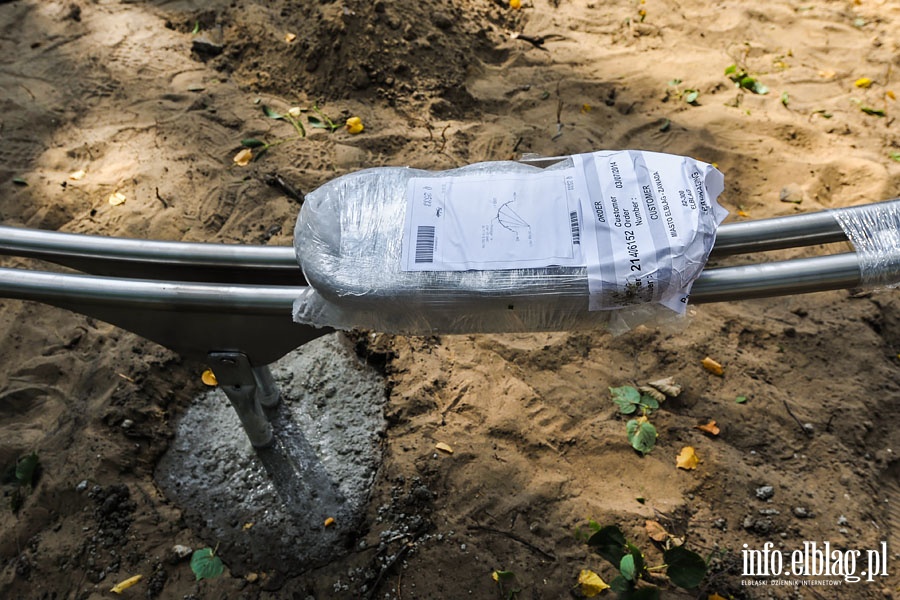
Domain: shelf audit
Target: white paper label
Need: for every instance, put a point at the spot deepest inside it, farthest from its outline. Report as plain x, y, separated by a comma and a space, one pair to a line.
490, 222
642, 223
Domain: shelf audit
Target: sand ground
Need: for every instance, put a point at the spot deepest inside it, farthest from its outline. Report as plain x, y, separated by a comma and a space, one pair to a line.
151, 99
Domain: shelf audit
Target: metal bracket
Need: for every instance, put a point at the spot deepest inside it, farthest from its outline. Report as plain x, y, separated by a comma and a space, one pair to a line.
249, 389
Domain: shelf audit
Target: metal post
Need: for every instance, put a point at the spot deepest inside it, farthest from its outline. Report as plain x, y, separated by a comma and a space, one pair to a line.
237, 380
267, 391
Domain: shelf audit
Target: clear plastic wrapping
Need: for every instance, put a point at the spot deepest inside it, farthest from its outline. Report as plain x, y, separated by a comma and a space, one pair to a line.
874, 231
348, 240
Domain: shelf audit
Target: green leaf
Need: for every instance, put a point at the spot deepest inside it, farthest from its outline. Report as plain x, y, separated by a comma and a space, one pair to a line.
785, 99
877, 112
626, 567
26, 469
642, 435
627, 397
690, 96
206, 565
252, 143
637, 558
271, 113
196, 28
620, 585
686, 569
730, 69
666, 125
609, 543
649, 402
895, 156
317, 123
675, 82
506, 576
19, 181
740, 399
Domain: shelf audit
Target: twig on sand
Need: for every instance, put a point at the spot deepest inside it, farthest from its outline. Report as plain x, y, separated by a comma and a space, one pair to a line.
787, 407
512, 536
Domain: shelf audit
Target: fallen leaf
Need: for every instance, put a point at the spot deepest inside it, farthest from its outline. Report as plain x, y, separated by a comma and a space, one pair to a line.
742, 213
586, 108
656, 531
295, 111
247, 526
591, 583
290, 37
890, 94
209, 378
740, 399
243, 158
77, 175
117, 198
667, 386
709, 428
516, 4
652, 392
863, 82
687, 459
124, 585
827, 74
713, 367
354, 125
444, 447
251, 577
329, 521
714, 597
19, 181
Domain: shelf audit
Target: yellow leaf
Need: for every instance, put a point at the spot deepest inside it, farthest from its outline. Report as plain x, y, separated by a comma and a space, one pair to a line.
713, 367
247, 526
742, 213
290, 37
890, 94
295, 111
243, 158
117, 198
715, 597
586, 108
517, 4
124, 585
251, 577
863, 82
444, 447
209, 378
656, 531
329, 521
687, 459
354, 125
591, 584
709, 428
77, 175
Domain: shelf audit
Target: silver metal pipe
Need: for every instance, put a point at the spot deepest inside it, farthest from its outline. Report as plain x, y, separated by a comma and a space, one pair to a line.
277, 265
782, 278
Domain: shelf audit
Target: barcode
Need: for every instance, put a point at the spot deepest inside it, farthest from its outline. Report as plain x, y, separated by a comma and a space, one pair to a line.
425, 244
576, 231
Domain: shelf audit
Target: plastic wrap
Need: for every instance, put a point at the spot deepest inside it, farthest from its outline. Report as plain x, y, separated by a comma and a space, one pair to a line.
348, 240
874, 231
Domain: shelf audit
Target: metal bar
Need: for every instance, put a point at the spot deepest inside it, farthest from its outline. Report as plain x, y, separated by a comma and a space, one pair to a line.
782, 278
277, 265
236, 378
155, 259
714, 285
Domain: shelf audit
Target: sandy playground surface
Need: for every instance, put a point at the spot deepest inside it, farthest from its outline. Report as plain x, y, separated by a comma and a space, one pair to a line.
150, 99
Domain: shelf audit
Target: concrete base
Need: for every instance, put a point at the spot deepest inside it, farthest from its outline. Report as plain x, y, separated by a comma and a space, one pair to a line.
267, 508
